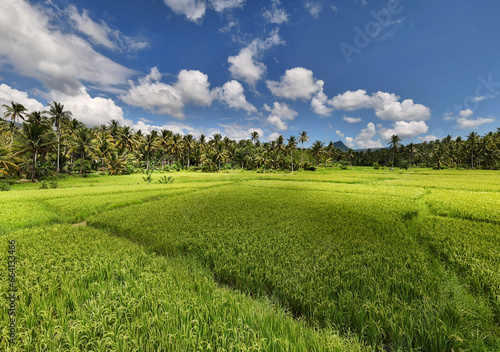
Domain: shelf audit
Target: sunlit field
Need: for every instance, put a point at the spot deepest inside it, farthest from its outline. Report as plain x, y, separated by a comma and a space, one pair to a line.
332, 260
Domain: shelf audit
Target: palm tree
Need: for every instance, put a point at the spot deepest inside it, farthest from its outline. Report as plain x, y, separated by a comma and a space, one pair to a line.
189, 144
58, 117
303, 137
126, 139
165, 136
411, 152
394, 144
14, 111
82, 144
35, 139
292, 143
255, 136
8, 161
472, 141
150, 145
316, 150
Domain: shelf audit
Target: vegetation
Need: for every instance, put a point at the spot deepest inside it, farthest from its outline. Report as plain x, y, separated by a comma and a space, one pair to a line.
53, 142
351, 260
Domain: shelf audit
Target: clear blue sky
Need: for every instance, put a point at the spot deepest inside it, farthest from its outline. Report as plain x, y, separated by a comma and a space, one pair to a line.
355, 70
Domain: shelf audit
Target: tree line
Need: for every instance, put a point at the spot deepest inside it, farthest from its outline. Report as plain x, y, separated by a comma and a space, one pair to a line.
40, 144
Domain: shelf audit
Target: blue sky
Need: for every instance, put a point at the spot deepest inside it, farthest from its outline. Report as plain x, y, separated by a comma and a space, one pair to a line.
355, 70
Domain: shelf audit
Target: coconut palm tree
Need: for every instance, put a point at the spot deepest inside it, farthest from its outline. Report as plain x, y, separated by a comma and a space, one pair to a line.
303, 137
292, 143
394, 145
35, 138
317, 150
14, 111
8, 161
255, 136
472, 142
82, 144
189, 144
58, 117
149, 145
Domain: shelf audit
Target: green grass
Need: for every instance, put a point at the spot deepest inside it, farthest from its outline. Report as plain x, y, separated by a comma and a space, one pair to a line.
398, 261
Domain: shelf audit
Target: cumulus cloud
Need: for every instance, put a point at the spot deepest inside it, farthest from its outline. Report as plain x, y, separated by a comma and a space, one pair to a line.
364, 138
279, 113
351, 119
192, 86
194, 10
245, 66
465, 123
275, 14
321, 105
91, 111
466, 113
428, 138
484, 97
222, 5
174, 126
296, 83
386, 105
9, 94
155, 96
61, 61
233, 94
339, 133
314, 8
404, 129
238, 132
101, 34
273, 136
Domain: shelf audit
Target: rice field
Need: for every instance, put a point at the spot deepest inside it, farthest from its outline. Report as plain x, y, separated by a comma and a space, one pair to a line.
335, 260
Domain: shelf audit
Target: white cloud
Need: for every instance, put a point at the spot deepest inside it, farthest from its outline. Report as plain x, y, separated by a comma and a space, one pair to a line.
364, 138
352, 119
245, 66
275, 14
101, 34
273, 136
8, 95
296, 83
91, 111
155, 96
37, 49
174, 126
321, 105
221, 5
465, 123
314, 8
386, 105
466, 113
350, 101
339, 133
404, 129
237, 132
335, 9
448, 116
484, 97
192, 86
279, 113
407, 111
428, 138
194, 10
232, 93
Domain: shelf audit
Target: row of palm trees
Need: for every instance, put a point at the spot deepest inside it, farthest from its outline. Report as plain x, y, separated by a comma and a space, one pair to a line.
41, 143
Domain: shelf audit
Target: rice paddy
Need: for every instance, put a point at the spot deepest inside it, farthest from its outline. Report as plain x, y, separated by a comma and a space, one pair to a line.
342, 260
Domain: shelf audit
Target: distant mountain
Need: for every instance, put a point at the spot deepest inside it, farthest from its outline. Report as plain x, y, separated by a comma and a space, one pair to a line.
340, 145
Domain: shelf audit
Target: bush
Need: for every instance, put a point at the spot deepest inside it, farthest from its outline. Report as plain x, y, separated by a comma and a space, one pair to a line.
4, 186
166, 180
376, 165
53, 184
43, 185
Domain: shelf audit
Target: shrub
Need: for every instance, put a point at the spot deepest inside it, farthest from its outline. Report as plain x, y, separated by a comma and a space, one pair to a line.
376, 165
165, 180
43, 185
4, 186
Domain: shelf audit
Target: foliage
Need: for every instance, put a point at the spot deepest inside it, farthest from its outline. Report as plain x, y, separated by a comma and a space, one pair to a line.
166, 180
5, 186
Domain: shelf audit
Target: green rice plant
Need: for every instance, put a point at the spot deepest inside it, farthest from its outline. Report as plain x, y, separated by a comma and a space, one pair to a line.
81, 289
